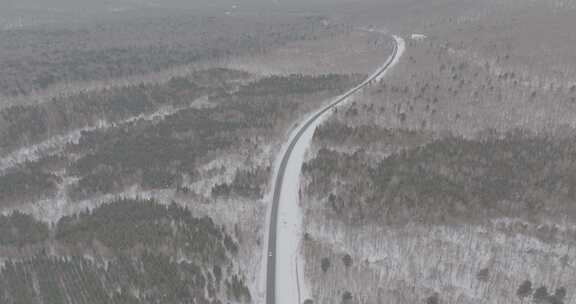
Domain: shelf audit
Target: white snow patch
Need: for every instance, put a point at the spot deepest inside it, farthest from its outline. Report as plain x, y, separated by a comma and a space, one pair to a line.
418, 37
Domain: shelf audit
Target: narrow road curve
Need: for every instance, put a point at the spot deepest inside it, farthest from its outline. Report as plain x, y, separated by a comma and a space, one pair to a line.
282, 194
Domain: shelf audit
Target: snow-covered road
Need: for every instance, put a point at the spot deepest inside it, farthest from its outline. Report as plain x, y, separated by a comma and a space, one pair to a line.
283, 267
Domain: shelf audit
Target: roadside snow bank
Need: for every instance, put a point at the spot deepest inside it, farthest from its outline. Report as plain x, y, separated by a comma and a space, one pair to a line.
291, 285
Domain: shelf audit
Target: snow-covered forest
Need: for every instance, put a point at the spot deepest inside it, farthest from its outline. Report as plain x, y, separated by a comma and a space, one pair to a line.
136, 153
450, 180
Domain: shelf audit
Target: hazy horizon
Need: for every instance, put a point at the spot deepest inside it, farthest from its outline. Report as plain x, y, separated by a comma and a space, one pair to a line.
287, 151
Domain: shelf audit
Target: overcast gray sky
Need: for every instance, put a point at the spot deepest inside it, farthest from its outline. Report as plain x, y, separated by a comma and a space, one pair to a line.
86, 4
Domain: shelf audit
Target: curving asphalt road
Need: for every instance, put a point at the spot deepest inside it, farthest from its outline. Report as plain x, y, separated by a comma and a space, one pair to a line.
272, 232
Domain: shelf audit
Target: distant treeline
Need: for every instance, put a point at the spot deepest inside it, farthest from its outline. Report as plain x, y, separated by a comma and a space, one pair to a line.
39, 57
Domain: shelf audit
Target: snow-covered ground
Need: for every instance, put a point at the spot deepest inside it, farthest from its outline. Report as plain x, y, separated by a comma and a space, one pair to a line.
291, 285
55, 144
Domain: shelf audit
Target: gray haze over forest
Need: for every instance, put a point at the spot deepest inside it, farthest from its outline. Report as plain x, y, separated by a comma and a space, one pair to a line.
150, 151
72, 4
